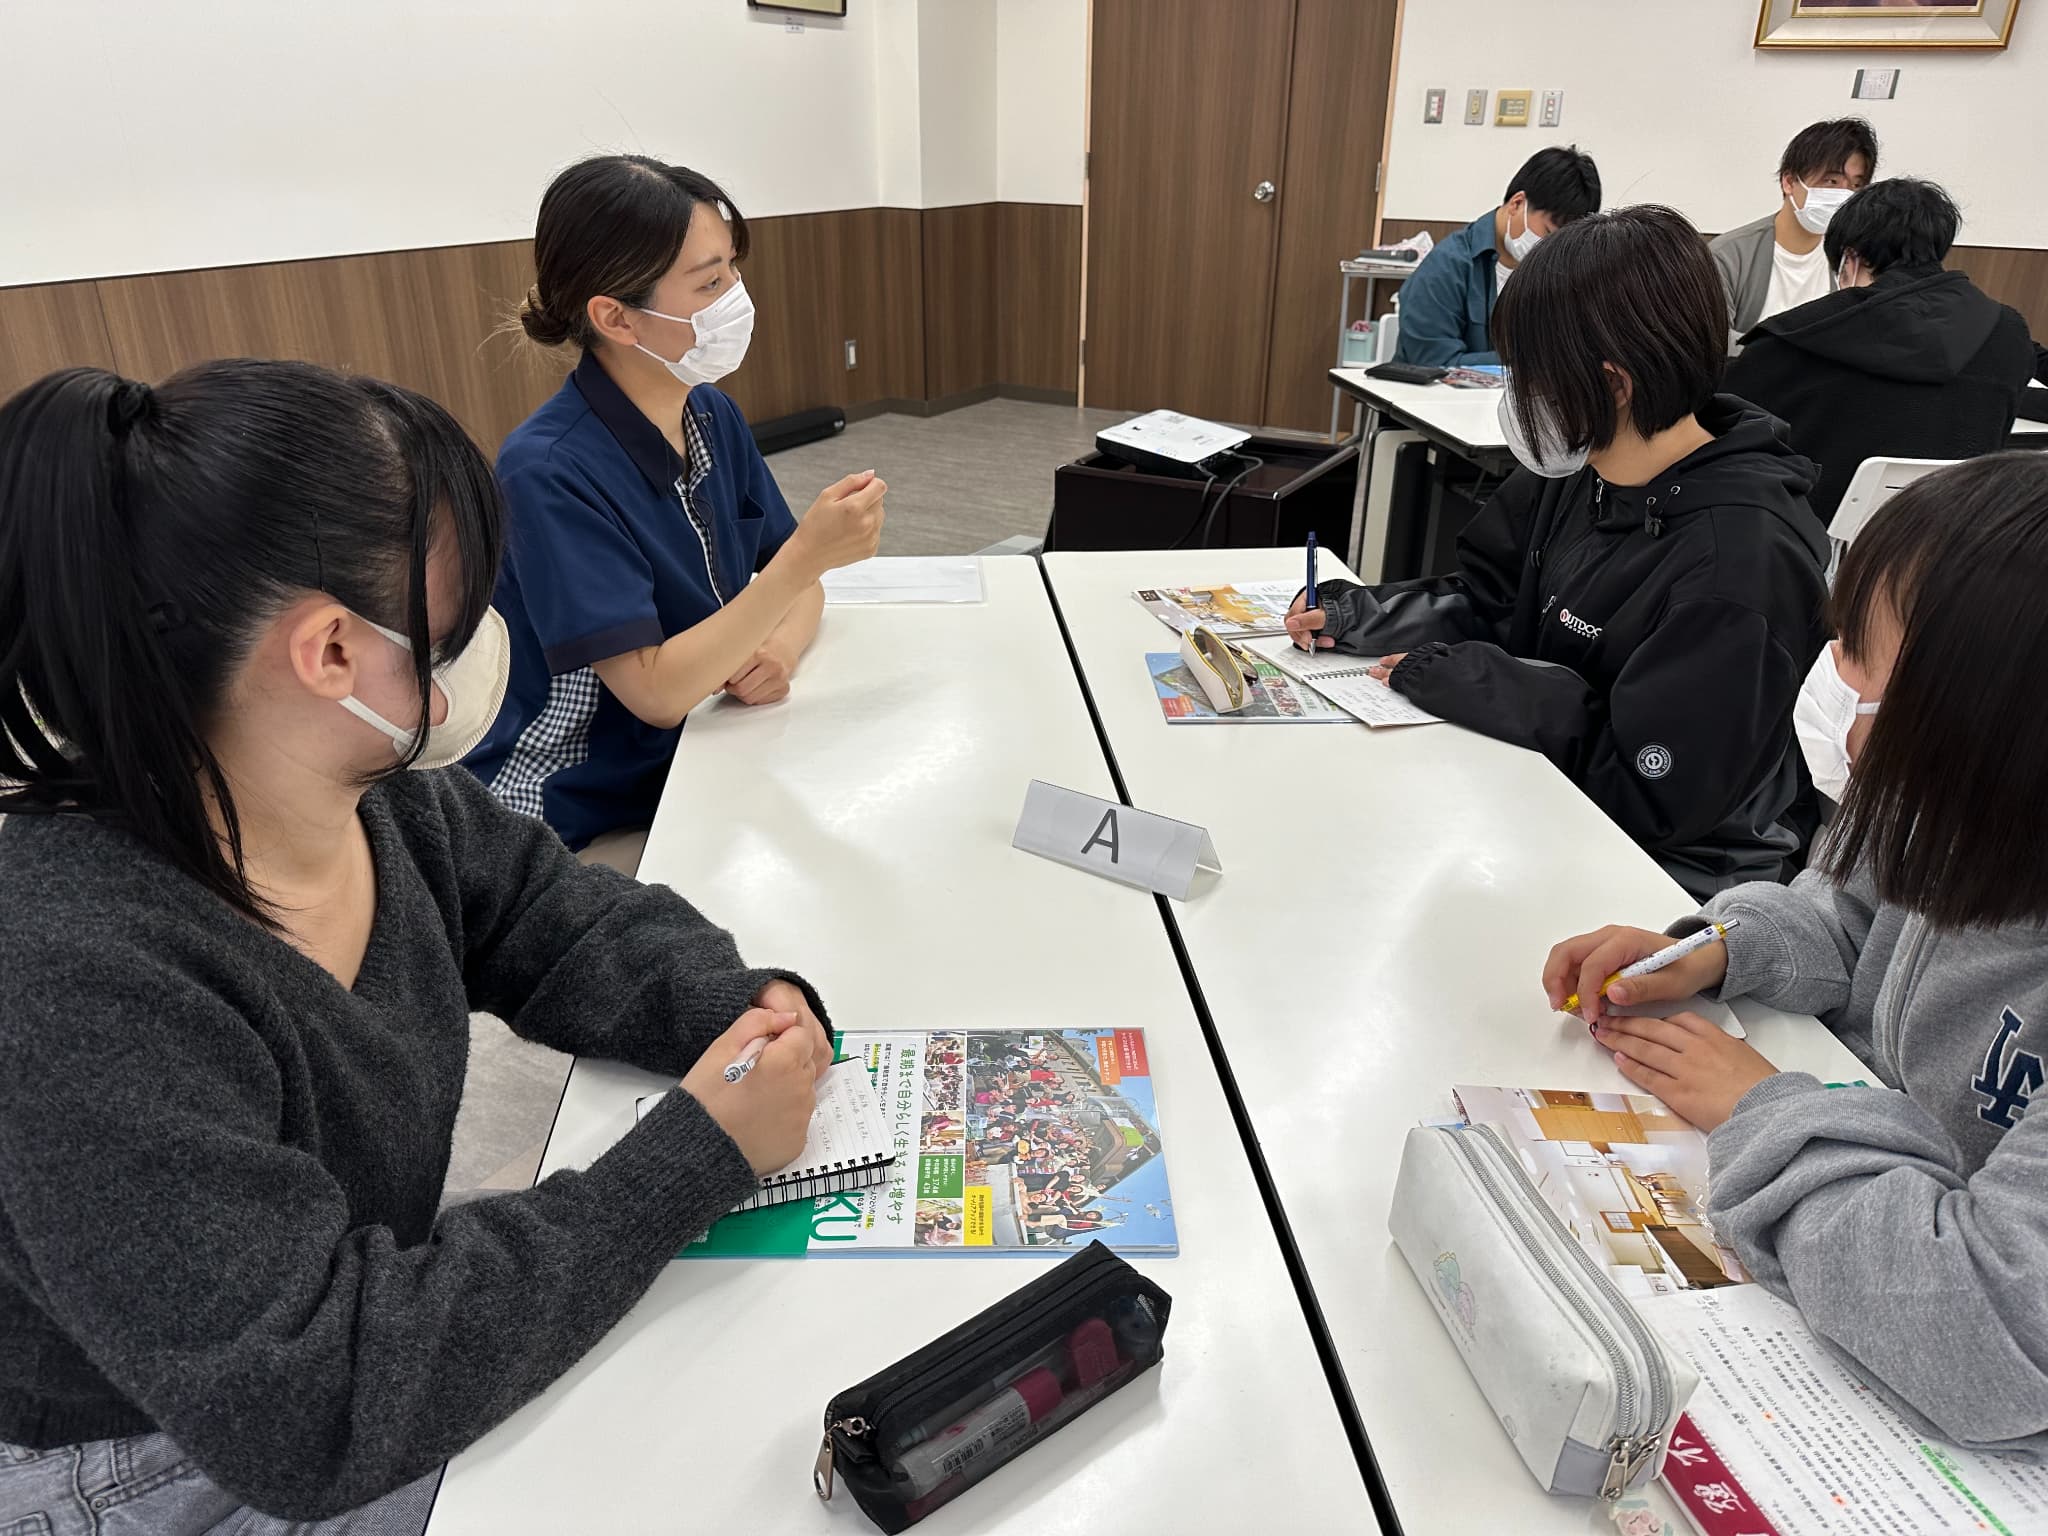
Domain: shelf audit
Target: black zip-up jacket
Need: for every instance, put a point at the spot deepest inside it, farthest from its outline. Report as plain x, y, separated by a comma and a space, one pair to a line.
1648, 640
1919, 365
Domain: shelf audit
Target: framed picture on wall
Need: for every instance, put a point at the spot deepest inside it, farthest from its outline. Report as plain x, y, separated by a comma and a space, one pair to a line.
1885, 23
803, 7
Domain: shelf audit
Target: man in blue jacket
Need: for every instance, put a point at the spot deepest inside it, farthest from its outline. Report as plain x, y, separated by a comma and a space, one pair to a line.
1447, 306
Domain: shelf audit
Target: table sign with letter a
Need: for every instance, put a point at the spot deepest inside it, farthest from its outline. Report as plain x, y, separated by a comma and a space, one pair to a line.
1113, 840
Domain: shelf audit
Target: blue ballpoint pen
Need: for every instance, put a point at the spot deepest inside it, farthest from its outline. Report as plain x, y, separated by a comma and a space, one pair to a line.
1310, 598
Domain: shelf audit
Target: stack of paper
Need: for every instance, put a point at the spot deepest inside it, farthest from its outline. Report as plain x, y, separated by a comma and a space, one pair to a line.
906, 579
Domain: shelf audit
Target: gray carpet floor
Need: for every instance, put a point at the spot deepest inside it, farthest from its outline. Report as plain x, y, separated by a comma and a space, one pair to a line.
957, 483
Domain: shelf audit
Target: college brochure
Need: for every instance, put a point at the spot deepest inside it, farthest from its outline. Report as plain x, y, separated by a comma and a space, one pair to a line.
1274, 697
1234, 612
1007, 1141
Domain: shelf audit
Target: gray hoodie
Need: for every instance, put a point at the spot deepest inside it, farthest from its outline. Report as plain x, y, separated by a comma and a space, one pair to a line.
1908, 1223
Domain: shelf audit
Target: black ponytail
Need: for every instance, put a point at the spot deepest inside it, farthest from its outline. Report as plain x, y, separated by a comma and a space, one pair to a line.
146, 535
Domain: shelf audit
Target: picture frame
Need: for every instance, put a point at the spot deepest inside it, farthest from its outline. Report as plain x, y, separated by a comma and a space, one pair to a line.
800, 7
1868, 24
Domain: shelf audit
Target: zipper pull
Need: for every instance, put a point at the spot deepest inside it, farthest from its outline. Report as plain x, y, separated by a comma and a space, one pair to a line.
1626, 1458
821, 1469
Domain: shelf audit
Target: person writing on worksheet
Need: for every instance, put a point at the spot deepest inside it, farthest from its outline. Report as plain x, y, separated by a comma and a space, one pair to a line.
240, 943
652, 561
1908, 1222
1640, 600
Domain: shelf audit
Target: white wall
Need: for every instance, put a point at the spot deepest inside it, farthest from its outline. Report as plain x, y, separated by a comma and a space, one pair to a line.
899, 144
1675, 104
956, 89
147, 136
1041, 99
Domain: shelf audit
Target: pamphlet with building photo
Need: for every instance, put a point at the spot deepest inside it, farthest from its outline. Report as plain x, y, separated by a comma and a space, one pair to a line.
1626, 1176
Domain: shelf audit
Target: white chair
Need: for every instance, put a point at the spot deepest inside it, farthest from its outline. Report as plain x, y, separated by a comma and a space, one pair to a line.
1875, 482
1386, 335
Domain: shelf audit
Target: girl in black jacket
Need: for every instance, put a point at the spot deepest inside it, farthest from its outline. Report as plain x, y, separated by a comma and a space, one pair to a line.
1640, 603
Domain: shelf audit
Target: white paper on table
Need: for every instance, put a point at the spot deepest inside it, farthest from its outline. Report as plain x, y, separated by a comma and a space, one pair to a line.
907, 579
1816, 1449
1345, 681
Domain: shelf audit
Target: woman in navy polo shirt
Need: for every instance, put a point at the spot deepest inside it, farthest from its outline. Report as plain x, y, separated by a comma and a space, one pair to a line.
650, 560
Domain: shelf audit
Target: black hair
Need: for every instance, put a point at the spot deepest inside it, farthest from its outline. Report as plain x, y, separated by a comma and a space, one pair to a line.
1823, 149
1634, 288
612, 225
146, 535
1948, 805
1561, 181
1897, 223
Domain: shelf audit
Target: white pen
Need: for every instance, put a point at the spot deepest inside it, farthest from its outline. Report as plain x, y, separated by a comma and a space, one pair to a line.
744, 1062
1670, 954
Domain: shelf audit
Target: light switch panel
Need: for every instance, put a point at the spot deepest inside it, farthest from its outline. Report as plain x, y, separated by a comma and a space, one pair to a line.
1511, 109
1433, 104
1553, 109
1475, 109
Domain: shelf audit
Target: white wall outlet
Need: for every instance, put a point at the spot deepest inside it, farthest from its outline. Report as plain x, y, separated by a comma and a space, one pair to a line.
852, 353
1433, 104
1475, 109
1875, 85
1553, 109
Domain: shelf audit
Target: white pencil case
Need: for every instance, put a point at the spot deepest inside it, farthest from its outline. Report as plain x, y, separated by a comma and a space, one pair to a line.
1216, 668
1580, 1382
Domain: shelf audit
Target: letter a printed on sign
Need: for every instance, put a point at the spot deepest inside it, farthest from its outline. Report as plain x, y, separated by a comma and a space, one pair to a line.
1119, 842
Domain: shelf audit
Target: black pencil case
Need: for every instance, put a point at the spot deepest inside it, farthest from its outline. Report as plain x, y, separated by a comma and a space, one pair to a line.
916, 1435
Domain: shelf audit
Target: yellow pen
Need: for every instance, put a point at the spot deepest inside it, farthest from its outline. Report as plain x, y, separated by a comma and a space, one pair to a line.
1670, 954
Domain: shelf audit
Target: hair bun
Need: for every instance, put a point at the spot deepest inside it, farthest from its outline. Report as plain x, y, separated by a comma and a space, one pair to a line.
130, 402
535, 320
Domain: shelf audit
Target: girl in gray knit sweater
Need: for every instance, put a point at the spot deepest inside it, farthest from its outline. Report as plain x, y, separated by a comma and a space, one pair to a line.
239, 948
1909, 1223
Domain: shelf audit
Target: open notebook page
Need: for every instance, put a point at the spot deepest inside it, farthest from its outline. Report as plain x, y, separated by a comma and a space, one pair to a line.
846, 1134
1345, 681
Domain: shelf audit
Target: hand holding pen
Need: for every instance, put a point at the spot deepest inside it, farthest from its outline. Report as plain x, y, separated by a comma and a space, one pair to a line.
1626, 967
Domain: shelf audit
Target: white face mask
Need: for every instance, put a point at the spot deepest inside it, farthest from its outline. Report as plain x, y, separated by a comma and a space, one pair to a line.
1550, 458
473, 683
1822, 718
1519, 246
1821, 206
723, 327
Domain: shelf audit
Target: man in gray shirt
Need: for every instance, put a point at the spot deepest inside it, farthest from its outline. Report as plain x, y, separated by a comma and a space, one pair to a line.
1777, 263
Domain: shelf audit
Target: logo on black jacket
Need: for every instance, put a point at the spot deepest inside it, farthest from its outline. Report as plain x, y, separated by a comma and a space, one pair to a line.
1577, 625
1654, 761
2008, 1080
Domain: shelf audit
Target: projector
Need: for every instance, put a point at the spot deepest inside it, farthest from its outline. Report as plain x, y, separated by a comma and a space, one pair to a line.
1168, 443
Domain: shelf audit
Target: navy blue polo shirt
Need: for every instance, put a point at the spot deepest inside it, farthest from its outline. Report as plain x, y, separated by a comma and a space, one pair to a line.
613, 542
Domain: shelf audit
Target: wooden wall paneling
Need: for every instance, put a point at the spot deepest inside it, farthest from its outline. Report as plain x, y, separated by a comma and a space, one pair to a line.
880, 262
47, 327
2015, 277
462, 301
1336, 113
340, 311
1038, 296
794, 362
1187, 114
959, 299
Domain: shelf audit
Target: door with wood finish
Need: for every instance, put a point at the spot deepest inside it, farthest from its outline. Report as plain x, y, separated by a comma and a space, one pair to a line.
1187, 127
1336, 120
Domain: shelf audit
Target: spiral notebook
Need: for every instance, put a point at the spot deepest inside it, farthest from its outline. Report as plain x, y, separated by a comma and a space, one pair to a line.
1344, 680
848, 1146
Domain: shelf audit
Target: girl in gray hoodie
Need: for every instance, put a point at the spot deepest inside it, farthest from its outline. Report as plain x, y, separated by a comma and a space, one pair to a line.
1909, 1222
